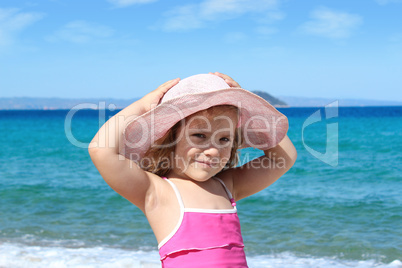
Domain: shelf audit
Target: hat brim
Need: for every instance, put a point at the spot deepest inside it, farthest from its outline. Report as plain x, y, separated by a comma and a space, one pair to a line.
263, 126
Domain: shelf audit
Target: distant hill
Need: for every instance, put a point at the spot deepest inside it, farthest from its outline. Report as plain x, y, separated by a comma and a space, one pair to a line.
320, 102
271, 99
26, 103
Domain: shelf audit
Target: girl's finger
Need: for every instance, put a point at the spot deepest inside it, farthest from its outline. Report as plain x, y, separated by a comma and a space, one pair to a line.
224, 76
167, 85
232, 83
229, 80
170, 81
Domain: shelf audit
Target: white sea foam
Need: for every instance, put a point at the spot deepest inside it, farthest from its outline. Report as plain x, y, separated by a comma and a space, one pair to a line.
18, 256
21, 256
290, 260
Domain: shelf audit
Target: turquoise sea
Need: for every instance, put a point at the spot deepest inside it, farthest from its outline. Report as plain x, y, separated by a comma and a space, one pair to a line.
339, 206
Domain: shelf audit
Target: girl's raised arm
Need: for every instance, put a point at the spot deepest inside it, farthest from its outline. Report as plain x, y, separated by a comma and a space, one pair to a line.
259, 173
122, 174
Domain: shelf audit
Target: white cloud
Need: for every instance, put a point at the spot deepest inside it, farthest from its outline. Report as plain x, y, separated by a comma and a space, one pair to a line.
385, 2
198, 15
12, 21
183, 18
81, 32
125, 3
331, 24
216, 9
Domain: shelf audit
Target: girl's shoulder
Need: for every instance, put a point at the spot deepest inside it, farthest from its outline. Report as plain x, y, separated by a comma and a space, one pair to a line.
227, 178
158, 192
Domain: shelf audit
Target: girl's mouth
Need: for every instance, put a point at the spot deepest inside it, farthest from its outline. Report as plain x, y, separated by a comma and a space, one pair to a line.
204, 163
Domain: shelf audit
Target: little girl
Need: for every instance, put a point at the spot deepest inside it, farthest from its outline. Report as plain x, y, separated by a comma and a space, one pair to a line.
173, 154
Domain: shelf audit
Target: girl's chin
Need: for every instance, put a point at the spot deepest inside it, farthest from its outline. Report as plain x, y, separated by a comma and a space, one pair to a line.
196, 173
199, 176
201, 179
202, 176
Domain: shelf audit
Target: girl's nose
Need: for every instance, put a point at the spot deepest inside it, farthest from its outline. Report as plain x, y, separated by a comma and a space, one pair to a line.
211, 151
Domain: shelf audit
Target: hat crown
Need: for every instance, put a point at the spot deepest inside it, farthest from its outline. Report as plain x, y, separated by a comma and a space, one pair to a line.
200, 83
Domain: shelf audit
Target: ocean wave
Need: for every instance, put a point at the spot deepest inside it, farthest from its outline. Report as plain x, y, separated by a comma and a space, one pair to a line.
22, 256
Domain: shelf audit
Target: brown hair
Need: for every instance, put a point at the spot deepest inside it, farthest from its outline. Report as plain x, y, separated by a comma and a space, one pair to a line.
159, 158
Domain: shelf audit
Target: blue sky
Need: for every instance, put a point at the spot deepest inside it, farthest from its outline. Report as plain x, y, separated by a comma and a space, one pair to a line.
126, 48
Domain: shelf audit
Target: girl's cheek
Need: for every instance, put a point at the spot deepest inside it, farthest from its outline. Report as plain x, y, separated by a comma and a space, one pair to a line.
227, 150
192, 151
224, 157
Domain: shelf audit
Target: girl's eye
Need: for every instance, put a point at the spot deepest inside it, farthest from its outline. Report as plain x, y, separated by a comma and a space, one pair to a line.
225, 139
199, 135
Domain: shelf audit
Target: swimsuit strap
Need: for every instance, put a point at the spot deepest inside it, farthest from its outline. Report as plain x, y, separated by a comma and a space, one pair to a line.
180, 200
176, 191
227, 191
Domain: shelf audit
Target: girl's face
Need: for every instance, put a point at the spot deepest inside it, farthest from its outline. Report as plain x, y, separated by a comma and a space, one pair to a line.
204, 143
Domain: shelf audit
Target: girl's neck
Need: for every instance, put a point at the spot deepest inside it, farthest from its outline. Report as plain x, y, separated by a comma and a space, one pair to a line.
185, 179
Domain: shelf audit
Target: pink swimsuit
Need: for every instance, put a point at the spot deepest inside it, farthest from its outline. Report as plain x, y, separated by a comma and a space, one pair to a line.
204, 238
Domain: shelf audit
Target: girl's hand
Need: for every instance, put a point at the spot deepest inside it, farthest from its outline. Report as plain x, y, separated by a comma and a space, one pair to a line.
229, 80
154, 97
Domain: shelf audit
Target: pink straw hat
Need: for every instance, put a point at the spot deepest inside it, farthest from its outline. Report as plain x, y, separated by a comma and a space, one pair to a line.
263, 126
